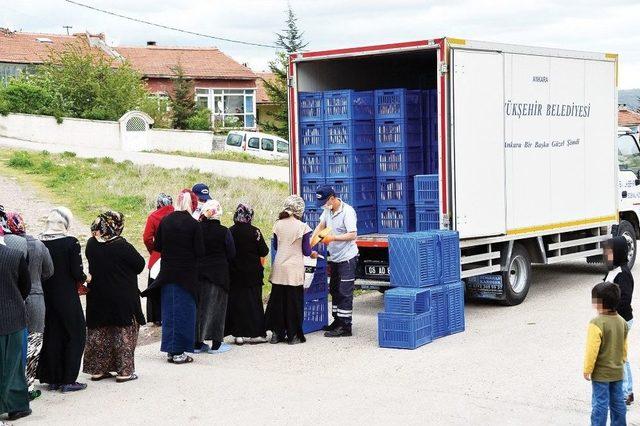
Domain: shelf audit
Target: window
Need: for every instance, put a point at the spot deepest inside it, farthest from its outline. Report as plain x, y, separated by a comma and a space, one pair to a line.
234, 140
254, 143
628, 153
283, 147
267, 144
230, 107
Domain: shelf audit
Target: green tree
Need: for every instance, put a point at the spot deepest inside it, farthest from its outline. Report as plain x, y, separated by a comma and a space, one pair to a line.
183, 104
290, 40
200, 120
158, 109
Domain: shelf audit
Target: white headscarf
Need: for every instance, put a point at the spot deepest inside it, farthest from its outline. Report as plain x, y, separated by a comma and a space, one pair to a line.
211, 210
57, 224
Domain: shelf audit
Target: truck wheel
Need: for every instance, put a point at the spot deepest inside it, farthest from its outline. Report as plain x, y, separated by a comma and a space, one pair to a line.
517, 277
625, 229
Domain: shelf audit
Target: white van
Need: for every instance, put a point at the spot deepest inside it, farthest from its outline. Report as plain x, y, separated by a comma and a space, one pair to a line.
259, 144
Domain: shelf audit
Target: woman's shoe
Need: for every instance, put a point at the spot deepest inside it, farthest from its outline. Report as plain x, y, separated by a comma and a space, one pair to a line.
180, 359
222, 349
275, 339
202, 349
54, 387
15, 415
239, 341
73, 387
258, 340
130, 378
296, 340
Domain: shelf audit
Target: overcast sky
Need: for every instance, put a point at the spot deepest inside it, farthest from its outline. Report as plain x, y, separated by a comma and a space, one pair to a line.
604, 26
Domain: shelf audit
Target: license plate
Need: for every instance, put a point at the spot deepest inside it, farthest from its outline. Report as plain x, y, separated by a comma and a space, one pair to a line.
377, 270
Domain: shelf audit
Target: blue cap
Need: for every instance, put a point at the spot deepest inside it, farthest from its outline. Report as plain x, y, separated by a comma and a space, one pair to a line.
202, 192
323, 192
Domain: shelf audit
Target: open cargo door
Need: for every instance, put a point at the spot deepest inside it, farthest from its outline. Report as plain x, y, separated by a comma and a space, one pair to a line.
479, 176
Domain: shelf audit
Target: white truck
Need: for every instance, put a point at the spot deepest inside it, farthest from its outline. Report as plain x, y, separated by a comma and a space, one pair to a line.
528, 156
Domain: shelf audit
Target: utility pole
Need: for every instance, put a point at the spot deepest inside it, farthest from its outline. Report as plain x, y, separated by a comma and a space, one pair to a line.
67, 27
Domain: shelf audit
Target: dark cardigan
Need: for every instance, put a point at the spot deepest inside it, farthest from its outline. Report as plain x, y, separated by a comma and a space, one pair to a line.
15, 286
246, 268
219, 249
113, 298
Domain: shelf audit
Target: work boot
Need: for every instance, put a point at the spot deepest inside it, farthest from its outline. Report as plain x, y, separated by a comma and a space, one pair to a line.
19, 414
629, 399
340, 331
334, 324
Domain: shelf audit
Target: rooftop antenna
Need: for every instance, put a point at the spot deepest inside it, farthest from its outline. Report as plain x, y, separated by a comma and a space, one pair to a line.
67, 27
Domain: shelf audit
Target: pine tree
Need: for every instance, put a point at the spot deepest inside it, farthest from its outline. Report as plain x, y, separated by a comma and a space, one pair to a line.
183, 104
290, 40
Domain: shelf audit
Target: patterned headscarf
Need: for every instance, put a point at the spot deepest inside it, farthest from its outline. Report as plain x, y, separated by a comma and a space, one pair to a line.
243, 214
211, 210
3, 221
294, 205
187, 193
15, 223
163, 200
109, 225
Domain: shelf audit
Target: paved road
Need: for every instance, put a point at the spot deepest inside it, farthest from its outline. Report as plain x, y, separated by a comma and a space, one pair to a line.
219, 167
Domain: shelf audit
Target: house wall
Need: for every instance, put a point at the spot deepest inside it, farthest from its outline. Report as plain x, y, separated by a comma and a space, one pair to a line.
9, 70
166, 85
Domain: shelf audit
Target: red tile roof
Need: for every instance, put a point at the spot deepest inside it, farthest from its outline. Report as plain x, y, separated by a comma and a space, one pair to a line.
626, 117
197, 62
25, 48
262, 97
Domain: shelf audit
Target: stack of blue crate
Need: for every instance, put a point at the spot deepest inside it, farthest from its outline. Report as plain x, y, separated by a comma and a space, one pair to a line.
430, 131
428, 299
426, 195
312, 142
399, 154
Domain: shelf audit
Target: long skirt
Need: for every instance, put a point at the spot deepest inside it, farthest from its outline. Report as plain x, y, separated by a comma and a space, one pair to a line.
14, 393
154, 304
178, 320
111, 349
245, 312
211, 312
34, 346
285, 311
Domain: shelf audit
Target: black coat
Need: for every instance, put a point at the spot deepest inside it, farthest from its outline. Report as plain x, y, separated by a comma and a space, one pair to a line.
15, 286
218, 250
246, 269
113, 298
624, 278
179, 241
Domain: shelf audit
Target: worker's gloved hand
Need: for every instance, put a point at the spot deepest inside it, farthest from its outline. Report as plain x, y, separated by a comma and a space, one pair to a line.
328, 239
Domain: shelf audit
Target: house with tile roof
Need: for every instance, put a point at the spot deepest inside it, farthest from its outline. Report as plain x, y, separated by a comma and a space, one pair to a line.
265, 105
628, 118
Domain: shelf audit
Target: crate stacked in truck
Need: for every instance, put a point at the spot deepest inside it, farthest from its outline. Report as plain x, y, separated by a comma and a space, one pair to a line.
427, 206
427, 301
430, 130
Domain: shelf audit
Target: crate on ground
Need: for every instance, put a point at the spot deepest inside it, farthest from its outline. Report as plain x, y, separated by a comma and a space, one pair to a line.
447, 309
395, 191
348, 105
426, 190
312, 136
396, 220
316, 315
414, 260
312, 165
404, 331
450, 254
398, 133
399, 162
367, 220
316, 278
308, 190
341, 135
312, 216
398, 103
310, 106
427, 218
356, 192
351, 163
407, 300
455, 292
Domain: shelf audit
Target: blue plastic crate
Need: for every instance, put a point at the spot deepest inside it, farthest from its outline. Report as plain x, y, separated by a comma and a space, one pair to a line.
427, 190
455, 292
310, 107
395, 191
407, 300
319, 287
430, 132
367, 220
396, 220
398, 103
351, 164
398, 134
308, 190
399, 162
311, 137
432, 165
427, 218
312, 165
341, 135
404, 331
415, 260
439, 311
348, 105
316, 315
356, 192
450, 255
429, 103
312, 216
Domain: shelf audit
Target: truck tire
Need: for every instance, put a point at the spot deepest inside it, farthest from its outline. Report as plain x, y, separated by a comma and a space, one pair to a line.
625, 229
517, 277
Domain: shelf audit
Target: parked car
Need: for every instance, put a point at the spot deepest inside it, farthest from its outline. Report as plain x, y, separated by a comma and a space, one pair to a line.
259, 144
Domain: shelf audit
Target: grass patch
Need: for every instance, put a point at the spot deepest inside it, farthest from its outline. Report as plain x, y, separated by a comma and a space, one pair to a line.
91, 186
239, 157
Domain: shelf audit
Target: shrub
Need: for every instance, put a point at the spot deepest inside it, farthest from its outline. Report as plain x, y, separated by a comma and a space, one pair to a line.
21, 160
201, 120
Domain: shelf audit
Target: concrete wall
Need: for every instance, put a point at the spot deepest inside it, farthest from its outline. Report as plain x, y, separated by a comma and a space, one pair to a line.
180, 140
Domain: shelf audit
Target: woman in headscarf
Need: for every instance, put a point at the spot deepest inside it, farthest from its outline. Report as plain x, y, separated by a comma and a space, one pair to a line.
114, 312
213, 276
291, 239
164, 206
245, 311
179, 242
40, 269
65, 327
